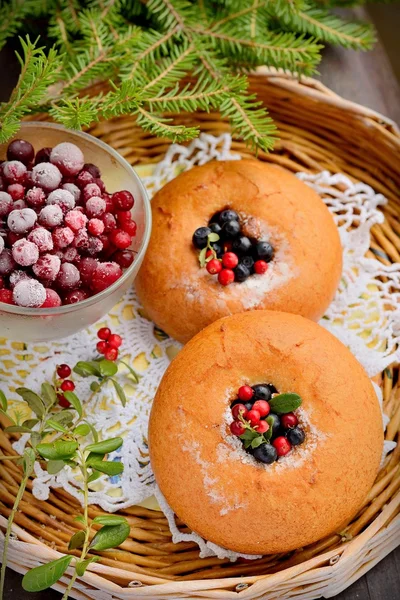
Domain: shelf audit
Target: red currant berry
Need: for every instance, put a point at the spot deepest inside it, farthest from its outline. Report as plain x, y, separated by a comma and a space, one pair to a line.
282, 445
124, 258
123, 200
114, 341
238, 409
111, 354
129, 227
262, 427
237, 428
253, 416
63, 371
104, 333
226, 277
214, 266
289, 420
101, 347
120, 239
62, 401
260, 267
245, 393
230, 260
262, 406
67, 386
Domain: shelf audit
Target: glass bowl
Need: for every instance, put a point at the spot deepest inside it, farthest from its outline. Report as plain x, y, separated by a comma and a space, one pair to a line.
43, 324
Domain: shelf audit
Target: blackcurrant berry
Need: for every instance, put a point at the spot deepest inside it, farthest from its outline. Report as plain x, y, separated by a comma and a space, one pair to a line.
200, 237
248, 262
264, 251
241, 273
230, 229
265, 453
241, 245
228, 215
215, 228
262, 392
295, 436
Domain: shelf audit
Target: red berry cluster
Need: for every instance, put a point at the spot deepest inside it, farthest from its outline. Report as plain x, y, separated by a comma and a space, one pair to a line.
250, 411
67, 385
63, 237
109, 343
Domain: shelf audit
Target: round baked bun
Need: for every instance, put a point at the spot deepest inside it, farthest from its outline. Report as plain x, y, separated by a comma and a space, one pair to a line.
218, 489
273, 205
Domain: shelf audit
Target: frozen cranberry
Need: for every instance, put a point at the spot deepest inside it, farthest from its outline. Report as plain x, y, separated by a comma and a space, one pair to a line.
238, 409
123, 200
123, 216
62, 237
47, 267
260, 267
6, 296
109, 203
16, 191
107, 248
3, 184
76, 220
253, 416
19, 205
104, 333
67, 386
21, 150
95, 246
289, 420
52, 299
262, 427
226, 277
12, 237
124, 258
63, 198
68, 276
129, 227
95, 206
120, 239
262, 407
237, 428
115, 340
29, 293
42, 238
245, 393
46, 176
21, 221
111, 354
109, 222
2, 244
14, 171
6, 204
101, 347
35, 198
105, 275
75, 296
214, 266
95, 226
87, 267
81, 239
28, 183
230, 260
63, 371
43, 156
2, 283
17, 276
68, 158
90, 190
92, 169
281, 445
74, 190
25, 253
83, 179
71, 255
101, 184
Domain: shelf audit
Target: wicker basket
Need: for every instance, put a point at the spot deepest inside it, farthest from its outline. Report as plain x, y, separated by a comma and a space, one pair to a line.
318, 130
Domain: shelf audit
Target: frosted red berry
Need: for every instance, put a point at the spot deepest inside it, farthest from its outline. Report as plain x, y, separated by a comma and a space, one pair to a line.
129, 227
74, 296
52, 299
63, 371
120, 239
16, 191
123, 216
123, 200
43, 155
109, 222
95, 227
6, 296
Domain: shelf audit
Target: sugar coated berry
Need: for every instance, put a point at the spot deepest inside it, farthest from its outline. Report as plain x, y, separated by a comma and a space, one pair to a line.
21, 150
253, 416
83, 179
16, 191
238, 409
19, 204
74, 296
104, 333
1, 244
105, 275
109, 222
62, 237
21, 221
101, 346
129, 227
95, 206
63, 198
62, 401
14, 171
111, 354
237, 428
262, 427
265, 453
6, 204
17, 276
67, 386
87, 267
25, 253
262, 406
74, 190
282, 445
42, 238
95, 246
245, 393
230, 260
63, 371
226, 277
68, 158
296, 436
68, 276
76, 220
52, 299
29, 293
109, 203
71, 255
123, 200
120, 239
95, 227
46, 176
289, 420
260, 267
47, 267
92, 169
214, 266
123, 257
51, 216
90, 190
35, 198
6, 296
43, 155
81, 239
7, 263
115, 340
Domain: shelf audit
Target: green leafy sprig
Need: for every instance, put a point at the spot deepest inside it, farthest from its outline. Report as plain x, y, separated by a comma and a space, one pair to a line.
203, 258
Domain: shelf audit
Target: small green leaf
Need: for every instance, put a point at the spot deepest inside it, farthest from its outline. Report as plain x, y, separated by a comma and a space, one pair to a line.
202, 257
80, 519
36, 438
268, 434
94, 456
110, 537
94, 433
284, 403
17, 429
55, 425
105, 446
3, 401
59, 450
34, 401
55, 466
94, 386
213, 237
49, 395
120, 392
107, 368
82, 429
29, 423
109, 520
43, 577
94, 476
257, 441
110, 468
86, 369
64, 417
77, 540
135, 376
82, 565
74, 401
29, 460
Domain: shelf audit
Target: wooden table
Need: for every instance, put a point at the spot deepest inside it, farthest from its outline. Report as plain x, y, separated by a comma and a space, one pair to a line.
366, 78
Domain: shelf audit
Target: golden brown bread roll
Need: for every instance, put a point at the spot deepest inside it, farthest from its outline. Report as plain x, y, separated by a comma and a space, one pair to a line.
181, 298
205, 474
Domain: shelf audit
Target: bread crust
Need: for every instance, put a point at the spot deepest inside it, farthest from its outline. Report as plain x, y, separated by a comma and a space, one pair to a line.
246, 506
182, 299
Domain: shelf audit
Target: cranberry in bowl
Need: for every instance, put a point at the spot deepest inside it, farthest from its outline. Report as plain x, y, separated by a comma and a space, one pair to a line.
74, 232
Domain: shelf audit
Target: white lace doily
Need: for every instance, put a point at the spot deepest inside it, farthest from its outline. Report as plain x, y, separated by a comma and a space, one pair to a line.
365, 315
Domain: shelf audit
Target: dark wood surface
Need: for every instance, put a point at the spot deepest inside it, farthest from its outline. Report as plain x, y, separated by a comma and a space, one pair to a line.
367, 78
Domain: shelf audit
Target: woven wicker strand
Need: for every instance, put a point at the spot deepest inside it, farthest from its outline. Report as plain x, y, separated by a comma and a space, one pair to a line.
319, 130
